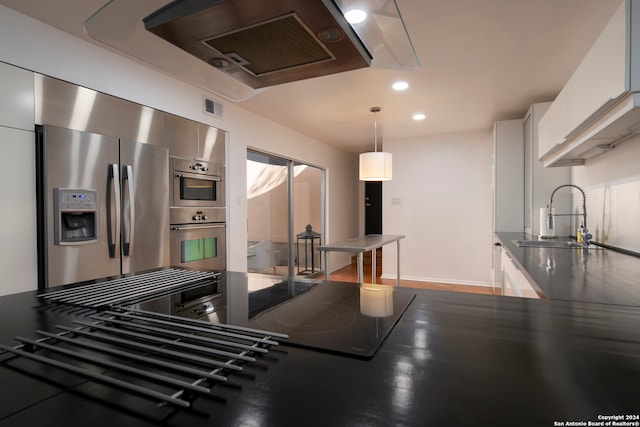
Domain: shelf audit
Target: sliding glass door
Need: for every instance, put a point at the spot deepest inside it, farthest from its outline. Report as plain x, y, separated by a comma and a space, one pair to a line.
285, 216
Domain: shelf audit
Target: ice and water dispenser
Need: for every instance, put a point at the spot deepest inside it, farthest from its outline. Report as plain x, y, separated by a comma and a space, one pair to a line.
75, 216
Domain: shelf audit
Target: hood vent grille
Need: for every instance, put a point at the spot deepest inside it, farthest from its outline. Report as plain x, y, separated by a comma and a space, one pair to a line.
263, 42
272, 46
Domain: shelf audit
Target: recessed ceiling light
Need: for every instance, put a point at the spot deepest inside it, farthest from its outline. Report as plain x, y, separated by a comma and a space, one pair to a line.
419, 116
355, 16
400, 85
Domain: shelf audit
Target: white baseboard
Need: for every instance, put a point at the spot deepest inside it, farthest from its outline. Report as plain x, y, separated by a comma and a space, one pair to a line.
438, 280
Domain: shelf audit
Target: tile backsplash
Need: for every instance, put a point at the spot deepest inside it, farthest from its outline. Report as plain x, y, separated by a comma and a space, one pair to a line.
612, 184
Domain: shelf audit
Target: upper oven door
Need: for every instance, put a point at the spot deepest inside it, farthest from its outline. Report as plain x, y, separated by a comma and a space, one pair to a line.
197, 184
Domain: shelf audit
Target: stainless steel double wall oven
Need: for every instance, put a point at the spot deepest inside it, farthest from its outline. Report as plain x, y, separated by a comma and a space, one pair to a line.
198, 196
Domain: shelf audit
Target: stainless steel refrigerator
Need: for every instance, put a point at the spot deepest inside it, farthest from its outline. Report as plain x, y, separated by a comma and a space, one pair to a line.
103, 206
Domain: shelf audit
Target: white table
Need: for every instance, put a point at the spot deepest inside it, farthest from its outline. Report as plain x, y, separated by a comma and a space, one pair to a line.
362, 244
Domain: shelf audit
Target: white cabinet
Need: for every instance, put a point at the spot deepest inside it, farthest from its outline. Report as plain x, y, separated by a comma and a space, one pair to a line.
514, 283
17, 181
539, 181
18, 211
508, 176
598, 105
16, 98
507, 183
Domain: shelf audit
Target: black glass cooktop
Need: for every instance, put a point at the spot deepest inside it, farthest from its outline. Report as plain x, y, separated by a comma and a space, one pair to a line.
337, 317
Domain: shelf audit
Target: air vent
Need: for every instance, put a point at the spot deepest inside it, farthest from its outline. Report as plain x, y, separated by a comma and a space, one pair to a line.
212, 107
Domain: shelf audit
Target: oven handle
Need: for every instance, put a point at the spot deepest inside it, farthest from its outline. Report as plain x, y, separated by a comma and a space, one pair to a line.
196, 227
216, 178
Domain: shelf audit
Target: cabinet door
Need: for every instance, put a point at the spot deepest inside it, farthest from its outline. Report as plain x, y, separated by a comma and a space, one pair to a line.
508, 176
606, 72
514, 282
211, 144
17, 181
16, 98
182, 137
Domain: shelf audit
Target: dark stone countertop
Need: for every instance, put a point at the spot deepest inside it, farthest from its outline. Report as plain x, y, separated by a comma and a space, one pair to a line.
453, 359
587, 275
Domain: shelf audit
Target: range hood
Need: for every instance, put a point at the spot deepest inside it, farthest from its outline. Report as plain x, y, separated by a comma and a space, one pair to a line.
263, 42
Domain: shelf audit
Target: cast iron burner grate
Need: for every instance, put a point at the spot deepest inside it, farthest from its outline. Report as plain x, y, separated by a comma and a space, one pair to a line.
157, 356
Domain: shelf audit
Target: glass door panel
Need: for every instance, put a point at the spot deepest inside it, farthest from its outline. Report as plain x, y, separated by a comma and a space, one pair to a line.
307, 218
267, 214
283, 198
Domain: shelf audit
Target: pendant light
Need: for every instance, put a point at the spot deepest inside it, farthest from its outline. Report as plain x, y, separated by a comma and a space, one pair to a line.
376, 165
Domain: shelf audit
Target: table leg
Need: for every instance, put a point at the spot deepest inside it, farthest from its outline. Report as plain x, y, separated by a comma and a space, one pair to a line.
398, 262
326, 267
360, 279
373, 265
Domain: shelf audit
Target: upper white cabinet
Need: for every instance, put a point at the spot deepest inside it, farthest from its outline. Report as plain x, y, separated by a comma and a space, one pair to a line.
508, 175
16, 95
598, 106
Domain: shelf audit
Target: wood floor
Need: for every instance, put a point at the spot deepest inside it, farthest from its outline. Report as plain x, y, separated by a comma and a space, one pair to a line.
350, 274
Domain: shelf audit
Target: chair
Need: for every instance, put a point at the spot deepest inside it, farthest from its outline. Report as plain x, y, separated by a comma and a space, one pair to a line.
260, 257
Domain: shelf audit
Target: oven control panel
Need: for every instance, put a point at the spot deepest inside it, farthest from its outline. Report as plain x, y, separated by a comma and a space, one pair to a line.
196, 306
202, 310
183, 215
199, 217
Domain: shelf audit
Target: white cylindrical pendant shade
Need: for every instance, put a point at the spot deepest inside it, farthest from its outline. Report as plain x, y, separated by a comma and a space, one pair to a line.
375, 166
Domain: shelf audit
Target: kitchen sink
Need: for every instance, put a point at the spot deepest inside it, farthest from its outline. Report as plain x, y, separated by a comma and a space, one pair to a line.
562, 244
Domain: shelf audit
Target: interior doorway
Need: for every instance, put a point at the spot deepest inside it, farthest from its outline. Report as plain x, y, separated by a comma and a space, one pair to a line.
373, 207
373, 219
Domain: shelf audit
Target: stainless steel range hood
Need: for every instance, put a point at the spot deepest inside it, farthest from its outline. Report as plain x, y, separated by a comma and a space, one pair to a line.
263, 42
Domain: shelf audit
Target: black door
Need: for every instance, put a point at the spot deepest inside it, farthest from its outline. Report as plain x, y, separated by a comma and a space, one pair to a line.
373, 207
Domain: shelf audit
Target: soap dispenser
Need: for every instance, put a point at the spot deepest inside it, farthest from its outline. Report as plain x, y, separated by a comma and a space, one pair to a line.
579, 234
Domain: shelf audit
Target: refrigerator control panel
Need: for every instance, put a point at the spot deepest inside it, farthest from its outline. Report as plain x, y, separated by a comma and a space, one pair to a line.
76, 199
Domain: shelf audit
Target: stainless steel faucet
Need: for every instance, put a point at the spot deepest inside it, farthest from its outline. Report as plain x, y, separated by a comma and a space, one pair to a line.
584, 231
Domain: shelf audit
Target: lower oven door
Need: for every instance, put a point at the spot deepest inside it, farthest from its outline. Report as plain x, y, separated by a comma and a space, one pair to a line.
199, 246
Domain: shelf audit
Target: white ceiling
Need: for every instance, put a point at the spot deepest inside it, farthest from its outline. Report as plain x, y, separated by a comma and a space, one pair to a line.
481, 61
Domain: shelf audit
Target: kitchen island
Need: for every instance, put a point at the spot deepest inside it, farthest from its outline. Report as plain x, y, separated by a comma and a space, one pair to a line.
452, 359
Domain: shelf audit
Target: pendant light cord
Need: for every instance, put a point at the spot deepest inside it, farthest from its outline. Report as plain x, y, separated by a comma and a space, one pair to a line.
375, 110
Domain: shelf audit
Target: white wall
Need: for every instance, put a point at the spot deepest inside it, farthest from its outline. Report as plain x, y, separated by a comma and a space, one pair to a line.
440, 199
612, 184
34, 46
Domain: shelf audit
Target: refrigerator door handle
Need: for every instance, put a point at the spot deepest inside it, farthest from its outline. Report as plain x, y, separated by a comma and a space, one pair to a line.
113, 210
128, 226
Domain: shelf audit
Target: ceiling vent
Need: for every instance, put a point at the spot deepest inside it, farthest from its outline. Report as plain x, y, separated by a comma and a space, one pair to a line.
263, 42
